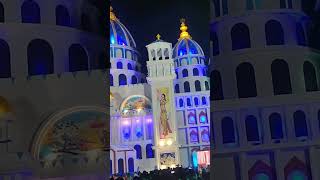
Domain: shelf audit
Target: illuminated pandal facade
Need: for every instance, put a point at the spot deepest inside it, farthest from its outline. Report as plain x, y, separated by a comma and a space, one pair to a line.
161, 120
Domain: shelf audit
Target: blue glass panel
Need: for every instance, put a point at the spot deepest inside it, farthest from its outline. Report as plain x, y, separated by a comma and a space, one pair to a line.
228, 130
192, 119
252, 129
131, 165
192, 48
120, 166
194, 160
149, 151
121, 37
300, 124
204, 101
275, 122
196, 101
112, 39
203, 119
138, 151
182, 49
181, 102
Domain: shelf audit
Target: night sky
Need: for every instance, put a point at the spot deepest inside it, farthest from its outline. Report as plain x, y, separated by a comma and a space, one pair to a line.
146, 18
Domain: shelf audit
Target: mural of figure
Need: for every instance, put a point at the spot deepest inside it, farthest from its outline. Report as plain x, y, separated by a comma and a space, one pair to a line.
165, 129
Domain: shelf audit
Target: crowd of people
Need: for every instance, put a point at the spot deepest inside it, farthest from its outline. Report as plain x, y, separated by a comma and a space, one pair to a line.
178, 173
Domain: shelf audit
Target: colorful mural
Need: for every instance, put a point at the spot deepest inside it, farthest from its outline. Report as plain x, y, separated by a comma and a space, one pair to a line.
135, 104
167, 159
164, 103
74, 134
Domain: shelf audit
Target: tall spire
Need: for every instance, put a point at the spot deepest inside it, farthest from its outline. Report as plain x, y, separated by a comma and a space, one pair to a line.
112, 15
184, 33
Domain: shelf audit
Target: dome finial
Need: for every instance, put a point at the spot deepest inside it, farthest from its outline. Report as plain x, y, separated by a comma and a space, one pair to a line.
112, 15
158, 37
184, 33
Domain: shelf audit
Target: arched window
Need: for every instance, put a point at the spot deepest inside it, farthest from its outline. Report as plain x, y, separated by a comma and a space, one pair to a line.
1, 13
40, 58
86, 22
78, 58
274, 33
225, 6
177, 75
186, 86
122, 80
240, 36
217, 7
216, 92
310, 77
301, 38
62, 16
249, 5
275, 123
188, 102
300, 124
138, 151
206, 84
252, 128
197, 85
119, 65
196, 101
181, 103
176, 88
228, 131
134, 80
195, 71
149, 151
131, 165
204, 100
111, 80
185, 73
5, 64
111, 170
120, 166
280, 77
215, 42
30, 12
246, 81
129, 66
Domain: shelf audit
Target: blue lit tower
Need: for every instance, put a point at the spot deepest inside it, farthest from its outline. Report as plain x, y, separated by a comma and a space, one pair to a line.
192, 96
124, 57
265, 82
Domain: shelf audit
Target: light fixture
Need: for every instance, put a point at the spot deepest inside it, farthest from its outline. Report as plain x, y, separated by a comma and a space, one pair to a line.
163, 167
169, 142
161, 143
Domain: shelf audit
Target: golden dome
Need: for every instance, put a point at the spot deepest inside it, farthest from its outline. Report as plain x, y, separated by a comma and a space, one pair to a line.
184, 33
112, 15
4, 107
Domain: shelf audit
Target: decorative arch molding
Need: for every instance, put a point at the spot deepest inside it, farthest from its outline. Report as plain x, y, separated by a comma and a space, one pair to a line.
261, 167
53, 119
296, 164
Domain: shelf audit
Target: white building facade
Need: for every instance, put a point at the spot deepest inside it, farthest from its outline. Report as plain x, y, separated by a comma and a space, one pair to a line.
52, 78
265, 91
158, 120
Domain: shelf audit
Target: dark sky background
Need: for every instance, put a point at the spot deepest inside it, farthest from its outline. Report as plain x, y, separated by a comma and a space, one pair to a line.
146, 18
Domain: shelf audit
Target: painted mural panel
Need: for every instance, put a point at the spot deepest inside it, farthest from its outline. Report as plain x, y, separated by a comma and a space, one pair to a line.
167, 159
164, 109
74, 134
134, 105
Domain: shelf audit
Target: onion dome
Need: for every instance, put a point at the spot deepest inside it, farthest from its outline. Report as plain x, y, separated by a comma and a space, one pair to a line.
185, 45
119, 34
